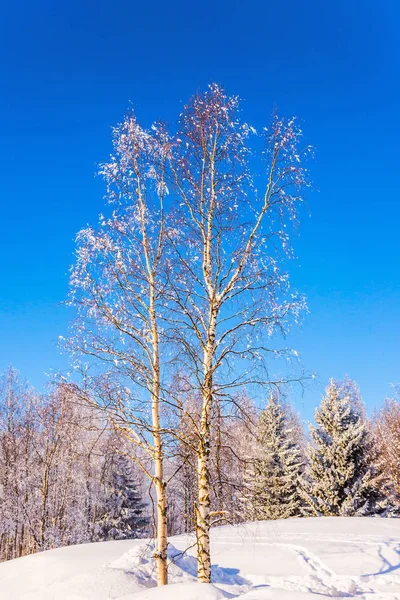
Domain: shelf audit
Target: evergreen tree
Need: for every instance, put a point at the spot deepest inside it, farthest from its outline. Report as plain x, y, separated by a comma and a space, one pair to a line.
122, 516
340, 478
273, 476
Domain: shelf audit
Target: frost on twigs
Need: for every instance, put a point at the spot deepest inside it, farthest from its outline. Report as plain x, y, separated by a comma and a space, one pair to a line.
229, 292
185, 279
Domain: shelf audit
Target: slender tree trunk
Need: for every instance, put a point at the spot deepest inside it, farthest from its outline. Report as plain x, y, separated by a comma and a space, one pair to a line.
218, 488
160, 484
45, 494
203, 463
203, 500
161, 550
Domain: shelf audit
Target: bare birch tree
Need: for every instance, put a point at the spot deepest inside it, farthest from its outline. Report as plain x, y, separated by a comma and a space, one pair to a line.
116, 285
386, 429
229, 294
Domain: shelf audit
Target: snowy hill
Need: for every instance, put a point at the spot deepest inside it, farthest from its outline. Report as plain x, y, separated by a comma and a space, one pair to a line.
276, 560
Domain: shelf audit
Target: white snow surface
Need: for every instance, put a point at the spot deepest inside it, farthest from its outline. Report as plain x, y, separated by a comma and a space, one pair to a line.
294, 559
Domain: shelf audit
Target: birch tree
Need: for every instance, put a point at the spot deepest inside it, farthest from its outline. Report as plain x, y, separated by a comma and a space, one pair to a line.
17, 467
116, 286
386, 428
229, 295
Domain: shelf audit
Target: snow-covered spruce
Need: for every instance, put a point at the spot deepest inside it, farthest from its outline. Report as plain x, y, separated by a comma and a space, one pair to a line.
272, 478
123, 512
340, 478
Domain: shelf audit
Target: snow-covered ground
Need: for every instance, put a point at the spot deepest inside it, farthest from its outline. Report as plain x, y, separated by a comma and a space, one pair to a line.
296, 559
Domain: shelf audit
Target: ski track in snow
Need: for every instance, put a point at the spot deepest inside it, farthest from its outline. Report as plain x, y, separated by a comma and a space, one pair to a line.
322, 580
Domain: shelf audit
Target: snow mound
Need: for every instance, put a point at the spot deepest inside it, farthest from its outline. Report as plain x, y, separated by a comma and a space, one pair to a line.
295, 559
182, 567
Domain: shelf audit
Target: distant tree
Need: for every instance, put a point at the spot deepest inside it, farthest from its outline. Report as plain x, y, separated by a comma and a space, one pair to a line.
231, 435
272, 477
386, 427
340, 478
70, 448
122, 513
183, 466
18, 468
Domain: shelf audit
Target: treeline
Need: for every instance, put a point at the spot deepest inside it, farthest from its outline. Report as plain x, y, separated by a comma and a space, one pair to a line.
67, 476
64, 477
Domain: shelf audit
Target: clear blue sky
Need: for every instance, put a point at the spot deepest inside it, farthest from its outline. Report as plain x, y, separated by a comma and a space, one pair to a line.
68, 72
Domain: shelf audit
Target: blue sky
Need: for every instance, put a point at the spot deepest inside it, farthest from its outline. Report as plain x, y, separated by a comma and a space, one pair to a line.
68, 73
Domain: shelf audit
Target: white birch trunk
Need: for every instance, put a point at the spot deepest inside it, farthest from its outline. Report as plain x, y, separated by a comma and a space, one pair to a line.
203, 463
160, 484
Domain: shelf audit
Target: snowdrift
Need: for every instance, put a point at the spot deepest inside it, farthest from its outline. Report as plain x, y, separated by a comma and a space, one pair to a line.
296, 559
